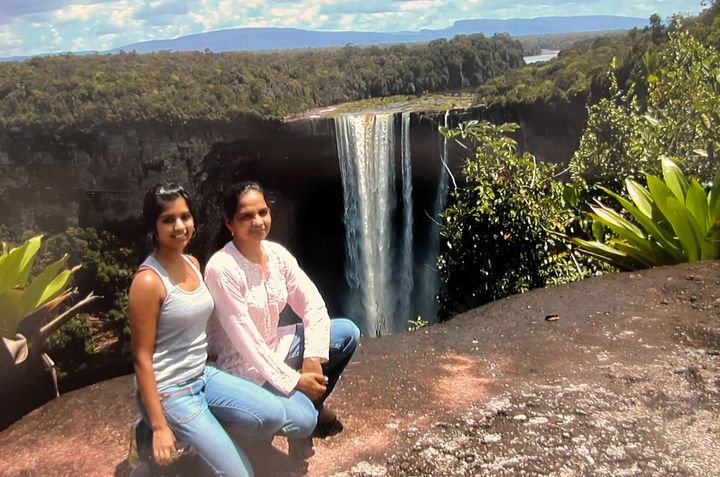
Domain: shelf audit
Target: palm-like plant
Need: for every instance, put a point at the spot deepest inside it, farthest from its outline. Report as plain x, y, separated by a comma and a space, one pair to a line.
676, 221
26, 306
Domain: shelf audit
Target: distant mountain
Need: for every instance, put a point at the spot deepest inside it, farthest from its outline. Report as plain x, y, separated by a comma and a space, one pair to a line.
252, 39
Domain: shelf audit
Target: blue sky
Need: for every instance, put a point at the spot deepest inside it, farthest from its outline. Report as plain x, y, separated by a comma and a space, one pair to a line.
44, 26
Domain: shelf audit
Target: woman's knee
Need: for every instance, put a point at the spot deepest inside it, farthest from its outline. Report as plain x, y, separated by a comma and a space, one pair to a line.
301, 415
306, 422
274, 416
344, 333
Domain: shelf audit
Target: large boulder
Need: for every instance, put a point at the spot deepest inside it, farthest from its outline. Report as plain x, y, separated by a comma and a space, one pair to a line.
626, 381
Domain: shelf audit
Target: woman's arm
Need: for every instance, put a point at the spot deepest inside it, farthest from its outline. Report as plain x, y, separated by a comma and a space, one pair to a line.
146, 294
232, 311
306, 301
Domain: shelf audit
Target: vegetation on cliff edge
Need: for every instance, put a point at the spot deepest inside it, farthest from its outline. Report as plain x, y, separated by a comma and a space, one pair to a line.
174, 88
502, 228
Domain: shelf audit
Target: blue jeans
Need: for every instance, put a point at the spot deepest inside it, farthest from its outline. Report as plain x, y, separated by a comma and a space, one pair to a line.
194, 408
344, 337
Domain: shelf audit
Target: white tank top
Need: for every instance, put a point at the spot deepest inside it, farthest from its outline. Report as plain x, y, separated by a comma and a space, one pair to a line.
180, 343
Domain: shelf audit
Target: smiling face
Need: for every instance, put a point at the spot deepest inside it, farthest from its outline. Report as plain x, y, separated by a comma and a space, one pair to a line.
174, 226
251, 222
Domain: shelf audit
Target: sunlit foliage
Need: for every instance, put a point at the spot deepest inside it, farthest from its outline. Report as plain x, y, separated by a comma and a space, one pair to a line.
175, 88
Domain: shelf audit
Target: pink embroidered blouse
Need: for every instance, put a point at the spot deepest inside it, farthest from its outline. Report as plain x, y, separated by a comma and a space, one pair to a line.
243, 332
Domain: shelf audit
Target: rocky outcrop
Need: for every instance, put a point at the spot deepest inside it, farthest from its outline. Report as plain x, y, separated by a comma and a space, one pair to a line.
625, 382
99, 176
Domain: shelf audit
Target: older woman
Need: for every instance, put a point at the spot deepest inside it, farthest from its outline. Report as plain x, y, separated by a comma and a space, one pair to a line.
252, 280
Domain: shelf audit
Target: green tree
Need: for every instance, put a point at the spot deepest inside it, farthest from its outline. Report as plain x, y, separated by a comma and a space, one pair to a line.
91, 91
107, 269
681, 118
499, 227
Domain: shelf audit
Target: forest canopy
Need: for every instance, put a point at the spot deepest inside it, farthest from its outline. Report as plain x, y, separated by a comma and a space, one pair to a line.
579, 71
176, 87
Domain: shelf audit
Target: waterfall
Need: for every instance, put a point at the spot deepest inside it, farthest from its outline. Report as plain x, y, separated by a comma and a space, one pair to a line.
387, 287
429, 276
366, 152
405, 262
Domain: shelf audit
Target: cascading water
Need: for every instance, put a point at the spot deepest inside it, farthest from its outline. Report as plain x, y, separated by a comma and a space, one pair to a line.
386, 286
405, 262
366, 151
429, 276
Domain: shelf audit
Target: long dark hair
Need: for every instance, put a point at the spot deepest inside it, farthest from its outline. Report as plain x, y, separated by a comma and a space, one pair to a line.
154, 203
230, 200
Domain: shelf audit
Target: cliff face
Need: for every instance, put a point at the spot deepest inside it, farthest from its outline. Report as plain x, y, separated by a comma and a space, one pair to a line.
100, 177
46, 178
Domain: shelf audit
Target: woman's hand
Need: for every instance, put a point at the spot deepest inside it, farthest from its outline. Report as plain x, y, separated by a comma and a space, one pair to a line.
164, 450
312, 365
313, 385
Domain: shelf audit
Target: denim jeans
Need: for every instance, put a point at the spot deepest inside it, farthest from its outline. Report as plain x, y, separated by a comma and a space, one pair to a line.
194, 408
344, 337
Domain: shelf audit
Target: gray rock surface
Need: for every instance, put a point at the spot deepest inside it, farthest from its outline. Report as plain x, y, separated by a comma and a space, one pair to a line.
626, 382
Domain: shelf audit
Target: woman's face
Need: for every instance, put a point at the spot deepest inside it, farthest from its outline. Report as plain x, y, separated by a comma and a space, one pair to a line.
251, 222
175, 226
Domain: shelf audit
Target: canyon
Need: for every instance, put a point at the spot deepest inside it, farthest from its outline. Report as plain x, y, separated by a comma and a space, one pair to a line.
97, 178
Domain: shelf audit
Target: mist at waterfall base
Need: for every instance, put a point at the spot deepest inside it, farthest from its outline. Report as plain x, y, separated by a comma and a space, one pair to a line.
391, 232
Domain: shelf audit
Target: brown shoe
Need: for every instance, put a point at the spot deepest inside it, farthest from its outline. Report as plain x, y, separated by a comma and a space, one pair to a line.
301, 449
328, 424
326, 416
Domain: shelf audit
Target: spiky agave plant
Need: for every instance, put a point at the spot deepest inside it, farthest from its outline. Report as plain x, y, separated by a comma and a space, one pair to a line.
27, 308
676, 221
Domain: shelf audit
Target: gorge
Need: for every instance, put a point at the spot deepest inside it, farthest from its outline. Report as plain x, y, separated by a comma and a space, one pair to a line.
98, 178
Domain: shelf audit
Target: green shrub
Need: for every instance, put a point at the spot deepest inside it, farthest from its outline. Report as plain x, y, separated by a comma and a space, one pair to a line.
28, 301
681, 118
22, 296
675, 221
614, 129
499, 229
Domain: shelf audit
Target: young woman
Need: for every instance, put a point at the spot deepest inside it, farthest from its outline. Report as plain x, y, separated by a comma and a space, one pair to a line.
251, 280
180, 397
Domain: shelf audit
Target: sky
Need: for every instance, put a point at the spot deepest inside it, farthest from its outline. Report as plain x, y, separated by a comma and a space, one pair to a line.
30, 27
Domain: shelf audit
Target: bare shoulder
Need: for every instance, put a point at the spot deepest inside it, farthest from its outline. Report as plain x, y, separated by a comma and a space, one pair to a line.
194, 260
147, 281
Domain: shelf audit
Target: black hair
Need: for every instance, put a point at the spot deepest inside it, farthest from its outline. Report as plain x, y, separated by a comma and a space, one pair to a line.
230, 200
156, 199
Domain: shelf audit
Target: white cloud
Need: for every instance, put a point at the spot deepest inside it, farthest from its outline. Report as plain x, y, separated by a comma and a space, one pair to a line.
27, 25
11, 42
212, 15
301, 16
75, 13
421, 5
52, 38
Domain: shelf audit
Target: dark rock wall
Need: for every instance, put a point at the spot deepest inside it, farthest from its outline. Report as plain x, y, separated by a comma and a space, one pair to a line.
100, 177
95, 177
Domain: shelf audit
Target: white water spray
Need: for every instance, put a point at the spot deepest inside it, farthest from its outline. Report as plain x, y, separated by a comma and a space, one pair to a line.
429, 276
366, 152
405, 262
